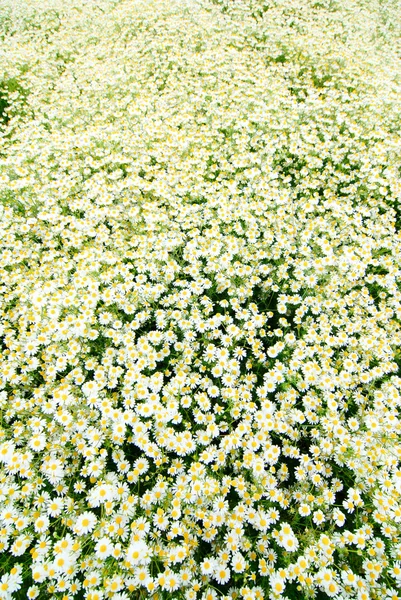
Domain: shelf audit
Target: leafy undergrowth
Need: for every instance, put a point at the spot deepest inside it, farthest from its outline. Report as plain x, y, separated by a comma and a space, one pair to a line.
199, 300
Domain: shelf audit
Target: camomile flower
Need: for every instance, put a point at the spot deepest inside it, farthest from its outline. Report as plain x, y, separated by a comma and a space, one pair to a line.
208, 566
32, 592
103, 548
90, 389
142, 576
277, 584
11, 582
171, 581
85, 523
138, 552
41, 524
318, 517
37, 442
53, 468
20, 544
238, 563
221, 573
63, 561
290, 543
304, 510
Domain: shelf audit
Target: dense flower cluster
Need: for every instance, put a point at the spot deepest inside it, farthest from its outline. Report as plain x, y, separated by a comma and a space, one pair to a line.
200, 299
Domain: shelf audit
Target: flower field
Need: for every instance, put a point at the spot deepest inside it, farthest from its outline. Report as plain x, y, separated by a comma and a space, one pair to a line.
200, 299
